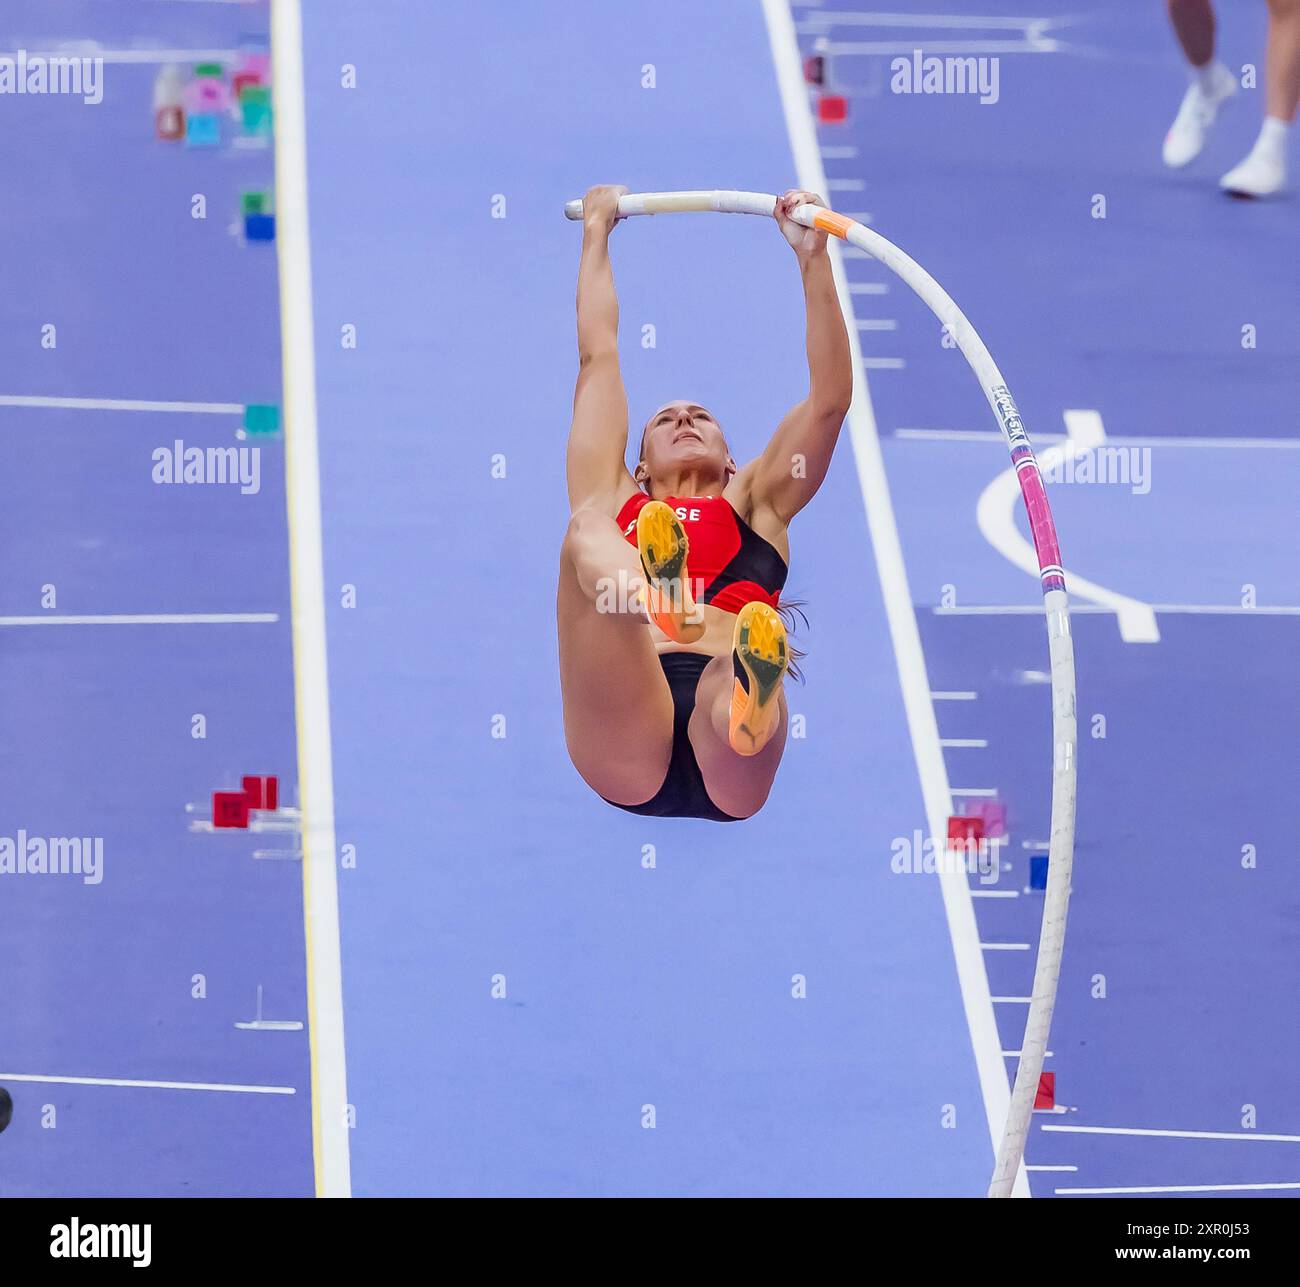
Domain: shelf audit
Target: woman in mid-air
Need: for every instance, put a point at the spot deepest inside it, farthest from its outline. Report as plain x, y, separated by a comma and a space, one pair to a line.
672, 651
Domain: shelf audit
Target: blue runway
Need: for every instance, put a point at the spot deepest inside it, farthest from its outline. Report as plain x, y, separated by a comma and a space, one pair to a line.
141, 977
627, 988
542, 995
1178, 951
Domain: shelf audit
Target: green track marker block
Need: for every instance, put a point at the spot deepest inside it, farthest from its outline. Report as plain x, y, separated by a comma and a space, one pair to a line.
255, 202
261, 418
255, 108
209, 69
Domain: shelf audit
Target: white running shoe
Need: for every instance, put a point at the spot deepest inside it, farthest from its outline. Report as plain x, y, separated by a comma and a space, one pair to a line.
1200, 106
1263, 172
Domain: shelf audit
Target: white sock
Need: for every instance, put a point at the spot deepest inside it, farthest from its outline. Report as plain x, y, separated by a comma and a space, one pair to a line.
1263, 172
1210, 77
1272, 136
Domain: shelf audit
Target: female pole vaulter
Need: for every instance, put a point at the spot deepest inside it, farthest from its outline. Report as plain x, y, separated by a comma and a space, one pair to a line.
672, 648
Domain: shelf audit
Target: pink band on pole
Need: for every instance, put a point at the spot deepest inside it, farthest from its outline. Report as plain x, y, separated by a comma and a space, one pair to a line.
1041, 526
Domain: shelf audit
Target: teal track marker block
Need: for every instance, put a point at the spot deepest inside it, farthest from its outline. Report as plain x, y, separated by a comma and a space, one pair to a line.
261, 418
255, 109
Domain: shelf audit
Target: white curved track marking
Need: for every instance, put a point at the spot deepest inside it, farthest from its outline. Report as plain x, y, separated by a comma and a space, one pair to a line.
996, 515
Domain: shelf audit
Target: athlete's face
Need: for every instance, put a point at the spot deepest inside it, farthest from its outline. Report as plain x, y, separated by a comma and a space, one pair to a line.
684, 437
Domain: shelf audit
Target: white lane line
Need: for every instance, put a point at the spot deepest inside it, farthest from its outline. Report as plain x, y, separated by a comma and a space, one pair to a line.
842, 152
995, 893
940, 21
988, 792
1164, 440
1184, 1188
1229, 609
148, 619
966, 435
307, 589
123, 404
1012, 1000
884, 364
995, 513
1004, 947
959, 907
844, 185
1286, 444
1175, 1135
89, 49
877, 324
953, 695
1041, 45
1174, 609
868, 288
234, 1088
1051, 1168
1015, 1054
974, 742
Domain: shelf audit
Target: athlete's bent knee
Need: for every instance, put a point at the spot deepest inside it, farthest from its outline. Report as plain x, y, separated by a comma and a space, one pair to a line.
585, 523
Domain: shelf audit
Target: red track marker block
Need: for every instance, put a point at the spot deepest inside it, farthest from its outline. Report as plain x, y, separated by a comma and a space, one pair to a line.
242, 78
262, 792
1046, 1097
832, 109
965, 832
229, 809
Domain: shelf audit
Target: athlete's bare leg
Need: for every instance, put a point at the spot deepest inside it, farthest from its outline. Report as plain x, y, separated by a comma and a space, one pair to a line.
1264, 171
1193, 23
618, 710
737, 784
1282, 67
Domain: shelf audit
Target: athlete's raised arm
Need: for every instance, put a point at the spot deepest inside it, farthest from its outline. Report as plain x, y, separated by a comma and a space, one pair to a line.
597, 473
790, 470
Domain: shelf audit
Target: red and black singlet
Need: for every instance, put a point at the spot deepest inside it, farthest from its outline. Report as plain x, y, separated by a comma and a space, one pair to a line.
727, 558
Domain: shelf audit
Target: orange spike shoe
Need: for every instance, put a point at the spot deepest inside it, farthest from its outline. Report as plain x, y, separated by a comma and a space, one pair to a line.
661, 542
760, 658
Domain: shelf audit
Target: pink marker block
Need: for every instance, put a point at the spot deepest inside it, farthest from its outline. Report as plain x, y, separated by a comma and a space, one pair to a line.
206, 95
995, 819
257, 61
